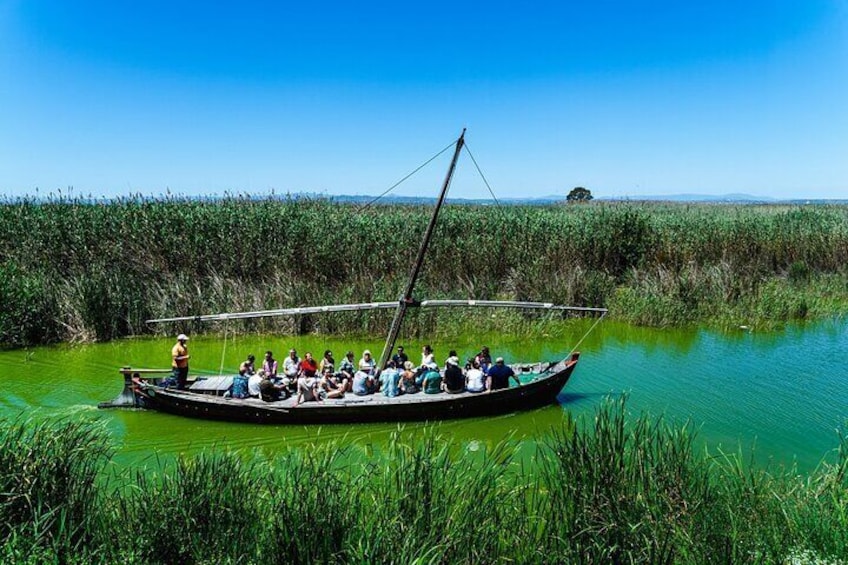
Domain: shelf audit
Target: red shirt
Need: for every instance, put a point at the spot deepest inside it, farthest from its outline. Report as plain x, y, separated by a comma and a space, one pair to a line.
309, 367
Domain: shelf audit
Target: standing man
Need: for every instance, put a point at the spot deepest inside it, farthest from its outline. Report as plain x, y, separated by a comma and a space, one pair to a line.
179, 361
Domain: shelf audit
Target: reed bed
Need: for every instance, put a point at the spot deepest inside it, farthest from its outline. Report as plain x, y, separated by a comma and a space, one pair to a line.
617, 488
80, 270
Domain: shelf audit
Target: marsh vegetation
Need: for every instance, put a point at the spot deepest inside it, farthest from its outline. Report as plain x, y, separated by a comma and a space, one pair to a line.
74, 270
610, 489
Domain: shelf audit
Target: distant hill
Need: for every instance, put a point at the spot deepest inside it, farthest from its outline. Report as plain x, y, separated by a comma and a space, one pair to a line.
736, 197
366, 199
428, 200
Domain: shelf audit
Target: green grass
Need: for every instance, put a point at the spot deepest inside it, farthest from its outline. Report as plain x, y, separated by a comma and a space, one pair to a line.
74, 270
615, 488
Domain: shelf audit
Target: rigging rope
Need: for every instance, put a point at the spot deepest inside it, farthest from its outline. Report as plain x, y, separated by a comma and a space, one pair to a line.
502, 232
394, 186
482, 176
598, 321
223, 349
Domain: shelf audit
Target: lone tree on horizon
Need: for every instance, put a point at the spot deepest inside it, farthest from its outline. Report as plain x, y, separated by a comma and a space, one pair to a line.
579, 194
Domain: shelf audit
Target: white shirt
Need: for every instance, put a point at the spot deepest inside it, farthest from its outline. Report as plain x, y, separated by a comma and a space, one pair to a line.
253, 385
476, 380
429, 361
306, 387
367, 366
290, 366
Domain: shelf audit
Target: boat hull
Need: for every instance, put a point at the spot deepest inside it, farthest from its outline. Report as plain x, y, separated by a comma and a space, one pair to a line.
352, 409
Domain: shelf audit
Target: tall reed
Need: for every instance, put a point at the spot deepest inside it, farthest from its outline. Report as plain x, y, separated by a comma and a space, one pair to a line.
80, 270
613, 489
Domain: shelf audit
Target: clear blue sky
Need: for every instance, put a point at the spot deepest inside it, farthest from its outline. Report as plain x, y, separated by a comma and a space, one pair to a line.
626, 99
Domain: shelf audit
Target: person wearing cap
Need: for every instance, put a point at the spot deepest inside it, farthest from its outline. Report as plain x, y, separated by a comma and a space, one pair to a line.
454, 380
367, 364
179, 361
499, 375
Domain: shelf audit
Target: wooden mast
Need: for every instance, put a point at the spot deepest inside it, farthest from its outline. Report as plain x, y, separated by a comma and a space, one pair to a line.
406, 301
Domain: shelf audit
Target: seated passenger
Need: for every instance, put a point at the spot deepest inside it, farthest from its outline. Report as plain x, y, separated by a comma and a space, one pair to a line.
291, 366
499, 375
308, 366
407, 379
475, 380
249, 365
342, 380
307, 389
270, 390
454, 381
428, 363
432, 382
367, 363
326, 360
329, 385
484, 359
400, 358
390, 380
253, 385
239, 387
428, 359
346, 369
270, 365
363, 383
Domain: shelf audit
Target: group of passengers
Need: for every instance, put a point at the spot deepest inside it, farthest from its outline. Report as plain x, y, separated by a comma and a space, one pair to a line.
312, 380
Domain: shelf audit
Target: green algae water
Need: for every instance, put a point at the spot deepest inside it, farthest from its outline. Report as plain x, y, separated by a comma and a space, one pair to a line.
780, 396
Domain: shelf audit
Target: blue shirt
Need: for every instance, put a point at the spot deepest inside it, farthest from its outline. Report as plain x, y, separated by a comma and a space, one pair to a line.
360, 383
432, 382
500, 375
240, 386
390, 380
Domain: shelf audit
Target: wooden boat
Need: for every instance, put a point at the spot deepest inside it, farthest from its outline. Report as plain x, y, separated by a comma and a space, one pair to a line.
204, 397
206, 401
